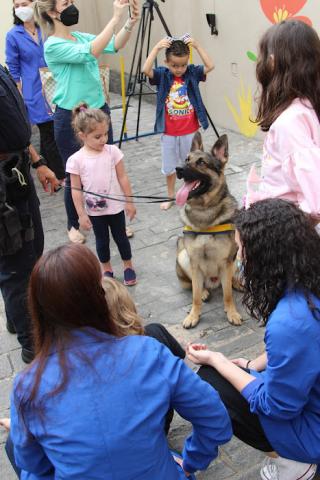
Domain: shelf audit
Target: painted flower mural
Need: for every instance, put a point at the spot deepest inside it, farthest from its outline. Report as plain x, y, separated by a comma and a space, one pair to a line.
278, 10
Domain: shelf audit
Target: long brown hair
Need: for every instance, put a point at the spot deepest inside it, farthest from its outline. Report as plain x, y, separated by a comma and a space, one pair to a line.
288, 67
65, 295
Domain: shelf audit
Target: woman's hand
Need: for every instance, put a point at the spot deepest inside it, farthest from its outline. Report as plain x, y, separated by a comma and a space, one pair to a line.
179, 461
240, 362
6, 423
84, 222
134, 12
199, 354
130, 210
119, 7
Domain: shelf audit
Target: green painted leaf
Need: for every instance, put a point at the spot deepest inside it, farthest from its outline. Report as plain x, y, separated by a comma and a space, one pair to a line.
252, 56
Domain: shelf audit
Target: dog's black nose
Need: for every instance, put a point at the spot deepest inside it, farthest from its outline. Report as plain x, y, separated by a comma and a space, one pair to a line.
179, 171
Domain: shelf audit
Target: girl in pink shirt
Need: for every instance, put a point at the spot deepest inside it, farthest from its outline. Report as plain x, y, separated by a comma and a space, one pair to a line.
99, 168
288, 71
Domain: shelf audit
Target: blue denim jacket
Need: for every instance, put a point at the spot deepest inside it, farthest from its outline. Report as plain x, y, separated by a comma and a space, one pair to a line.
163, 78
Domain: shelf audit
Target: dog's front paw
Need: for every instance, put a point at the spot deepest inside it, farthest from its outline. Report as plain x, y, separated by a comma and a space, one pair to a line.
234, 317
191, 321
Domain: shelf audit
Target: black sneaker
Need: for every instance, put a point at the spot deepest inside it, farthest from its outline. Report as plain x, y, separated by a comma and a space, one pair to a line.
10, 327
27, 355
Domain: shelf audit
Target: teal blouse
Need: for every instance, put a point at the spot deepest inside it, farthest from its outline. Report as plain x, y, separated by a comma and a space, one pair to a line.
75, 70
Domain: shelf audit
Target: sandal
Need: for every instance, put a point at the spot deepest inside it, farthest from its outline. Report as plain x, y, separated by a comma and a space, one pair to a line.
130, 277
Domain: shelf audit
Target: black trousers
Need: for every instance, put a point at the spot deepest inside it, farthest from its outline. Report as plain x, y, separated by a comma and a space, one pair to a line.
49, 149
15, 271
246, 425
117, 225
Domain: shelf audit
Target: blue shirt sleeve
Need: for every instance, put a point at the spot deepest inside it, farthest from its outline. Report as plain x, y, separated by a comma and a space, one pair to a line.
197, 402
157, 76
284, 389
13, 57
198, 72
29, 455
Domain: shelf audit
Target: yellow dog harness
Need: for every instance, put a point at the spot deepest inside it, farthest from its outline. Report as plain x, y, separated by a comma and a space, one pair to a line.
215, 230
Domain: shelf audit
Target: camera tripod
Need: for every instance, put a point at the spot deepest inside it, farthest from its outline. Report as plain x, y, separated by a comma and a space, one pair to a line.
136, 76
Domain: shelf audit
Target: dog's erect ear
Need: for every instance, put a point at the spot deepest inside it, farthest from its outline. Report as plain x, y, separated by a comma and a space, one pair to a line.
220, 149
197, 142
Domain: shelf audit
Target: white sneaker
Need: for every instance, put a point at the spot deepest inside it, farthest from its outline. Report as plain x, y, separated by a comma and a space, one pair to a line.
283, 469
75, 236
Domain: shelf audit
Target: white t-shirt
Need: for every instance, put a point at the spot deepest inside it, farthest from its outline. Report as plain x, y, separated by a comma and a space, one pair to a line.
98, 174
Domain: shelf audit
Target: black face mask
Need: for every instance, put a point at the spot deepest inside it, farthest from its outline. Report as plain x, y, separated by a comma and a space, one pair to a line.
70, 16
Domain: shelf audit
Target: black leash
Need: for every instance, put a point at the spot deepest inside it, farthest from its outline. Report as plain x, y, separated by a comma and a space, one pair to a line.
154, 199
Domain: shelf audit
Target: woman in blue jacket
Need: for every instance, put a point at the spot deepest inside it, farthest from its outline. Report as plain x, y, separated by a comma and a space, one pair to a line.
24, 57
93, 403
274, 400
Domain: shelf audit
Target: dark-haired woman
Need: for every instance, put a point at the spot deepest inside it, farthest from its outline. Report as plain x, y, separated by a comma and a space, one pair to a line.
24, 57
274, 400
288, 71
93, 403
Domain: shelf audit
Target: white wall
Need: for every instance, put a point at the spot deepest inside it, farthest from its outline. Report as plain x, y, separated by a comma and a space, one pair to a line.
5, 24
240, 24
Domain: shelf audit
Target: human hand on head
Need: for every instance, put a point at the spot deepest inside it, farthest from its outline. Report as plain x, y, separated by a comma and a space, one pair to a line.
130, 210
191, 42
164, 43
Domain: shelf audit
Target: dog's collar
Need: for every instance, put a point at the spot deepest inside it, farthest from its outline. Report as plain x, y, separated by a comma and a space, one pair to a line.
215, 230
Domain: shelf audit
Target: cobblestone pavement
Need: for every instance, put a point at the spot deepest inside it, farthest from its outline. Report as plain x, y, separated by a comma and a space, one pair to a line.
158, 294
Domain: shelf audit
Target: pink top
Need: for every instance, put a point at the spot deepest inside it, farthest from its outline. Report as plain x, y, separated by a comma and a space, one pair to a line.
98, 174
291, 160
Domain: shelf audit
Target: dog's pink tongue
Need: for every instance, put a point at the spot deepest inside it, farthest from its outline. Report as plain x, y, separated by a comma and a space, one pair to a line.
183, 192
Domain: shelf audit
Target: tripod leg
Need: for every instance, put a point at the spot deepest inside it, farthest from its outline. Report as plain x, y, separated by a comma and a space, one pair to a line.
165, 26
131, 88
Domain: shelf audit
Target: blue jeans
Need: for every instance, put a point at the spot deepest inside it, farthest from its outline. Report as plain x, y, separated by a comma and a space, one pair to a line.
15, 271
117, 224
68, 144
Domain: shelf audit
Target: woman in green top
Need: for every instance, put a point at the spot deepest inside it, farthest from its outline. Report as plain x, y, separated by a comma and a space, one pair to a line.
72, 58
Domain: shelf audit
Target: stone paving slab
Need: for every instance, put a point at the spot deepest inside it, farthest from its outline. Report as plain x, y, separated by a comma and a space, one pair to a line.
158, 294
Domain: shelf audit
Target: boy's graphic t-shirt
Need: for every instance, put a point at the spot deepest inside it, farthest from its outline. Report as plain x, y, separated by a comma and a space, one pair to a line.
180, 115
98, 174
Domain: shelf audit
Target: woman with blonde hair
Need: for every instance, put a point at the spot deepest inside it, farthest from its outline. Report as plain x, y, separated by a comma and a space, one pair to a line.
72, 57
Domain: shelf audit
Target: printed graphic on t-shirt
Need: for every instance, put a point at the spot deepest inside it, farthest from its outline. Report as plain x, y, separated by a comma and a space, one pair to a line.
181, 117
95, 204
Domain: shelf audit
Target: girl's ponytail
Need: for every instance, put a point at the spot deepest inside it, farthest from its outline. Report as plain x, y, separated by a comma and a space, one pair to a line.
85, 118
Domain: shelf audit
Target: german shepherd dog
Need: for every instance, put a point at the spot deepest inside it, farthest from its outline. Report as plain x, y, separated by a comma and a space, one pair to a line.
205, 260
